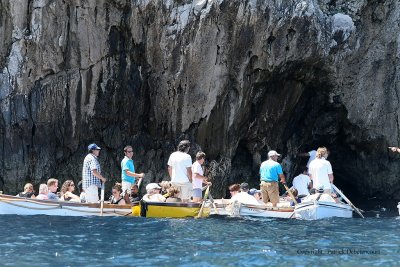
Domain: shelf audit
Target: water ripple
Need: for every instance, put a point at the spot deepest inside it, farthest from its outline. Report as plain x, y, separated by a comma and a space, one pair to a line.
70, 241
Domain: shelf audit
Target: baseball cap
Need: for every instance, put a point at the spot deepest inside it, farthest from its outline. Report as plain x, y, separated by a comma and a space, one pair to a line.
93, 147
151, 186
253, 191
273, 153
244, 186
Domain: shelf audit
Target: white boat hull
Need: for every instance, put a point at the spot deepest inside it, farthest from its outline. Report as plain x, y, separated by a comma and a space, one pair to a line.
315, 210
24, 206
398, 206
268, 212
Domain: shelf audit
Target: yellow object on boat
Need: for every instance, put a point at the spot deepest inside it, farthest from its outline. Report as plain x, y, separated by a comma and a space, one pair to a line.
169, 210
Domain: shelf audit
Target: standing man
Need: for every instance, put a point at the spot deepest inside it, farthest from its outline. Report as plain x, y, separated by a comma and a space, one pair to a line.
180, 170
270, 172
52, 185
198, 176
128, 173
321, 172
91, 174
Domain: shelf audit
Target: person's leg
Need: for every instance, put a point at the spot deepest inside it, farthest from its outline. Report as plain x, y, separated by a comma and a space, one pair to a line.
197, 195
186, 192
264, 192
126, 187
273, 193
92, 194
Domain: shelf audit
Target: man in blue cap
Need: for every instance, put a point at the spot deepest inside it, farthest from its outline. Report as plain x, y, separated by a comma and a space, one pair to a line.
91, 174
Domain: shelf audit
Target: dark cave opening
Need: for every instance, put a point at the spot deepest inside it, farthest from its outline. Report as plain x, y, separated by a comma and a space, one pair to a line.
315, 119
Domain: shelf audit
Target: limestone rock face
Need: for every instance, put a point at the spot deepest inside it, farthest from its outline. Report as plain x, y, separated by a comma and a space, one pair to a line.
236, 78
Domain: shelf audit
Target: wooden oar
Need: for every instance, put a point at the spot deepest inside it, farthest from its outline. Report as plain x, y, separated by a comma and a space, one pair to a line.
102, 199
204, 202
290, 194
213, 203
347, 200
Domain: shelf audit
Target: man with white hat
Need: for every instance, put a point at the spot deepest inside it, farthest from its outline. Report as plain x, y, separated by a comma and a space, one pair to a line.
91, 174
153, 193
270, 172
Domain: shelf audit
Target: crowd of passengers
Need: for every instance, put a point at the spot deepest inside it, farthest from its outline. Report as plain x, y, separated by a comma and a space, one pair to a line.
187, 181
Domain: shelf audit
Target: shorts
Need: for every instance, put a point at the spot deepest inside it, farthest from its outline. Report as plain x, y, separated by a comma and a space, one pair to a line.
197, 192
270, 192
92, 194
126, 186
185, 190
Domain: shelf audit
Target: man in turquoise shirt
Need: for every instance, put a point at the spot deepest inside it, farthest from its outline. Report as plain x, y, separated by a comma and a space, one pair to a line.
128, 174
270, 172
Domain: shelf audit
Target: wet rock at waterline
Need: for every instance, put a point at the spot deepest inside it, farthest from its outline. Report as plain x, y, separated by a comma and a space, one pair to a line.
237, 78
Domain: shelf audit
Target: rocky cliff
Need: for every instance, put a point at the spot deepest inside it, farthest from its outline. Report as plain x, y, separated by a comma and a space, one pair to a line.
236, 78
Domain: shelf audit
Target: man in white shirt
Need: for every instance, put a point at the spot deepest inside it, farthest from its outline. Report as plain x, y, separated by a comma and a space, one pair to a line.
180, 170
321, 172
198, 176
302, 183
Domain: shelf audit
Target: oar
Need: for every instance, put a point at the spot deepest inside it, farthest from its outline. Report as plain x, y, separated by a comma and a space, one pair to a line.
213, 203
347, 200
204, 202
102, 199
290, 194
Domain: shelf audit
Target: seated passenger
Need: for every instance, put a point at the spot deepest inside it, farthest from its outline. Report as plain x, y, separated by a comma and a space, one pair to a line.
28, 191
52, 185
295, 194
117, 197
302, 183
243, 197
153, 193
43, 191
134, 196
67, 190
172, 195
165, 185
257, 195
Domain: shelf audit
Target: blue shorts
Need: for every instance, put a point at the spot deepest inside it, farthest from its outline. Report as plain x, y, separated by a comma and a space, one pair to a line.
197, 192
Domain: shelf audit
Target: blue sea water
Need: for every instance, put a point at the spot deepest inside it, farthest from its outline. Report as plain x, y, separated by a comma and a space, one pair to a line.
215, 241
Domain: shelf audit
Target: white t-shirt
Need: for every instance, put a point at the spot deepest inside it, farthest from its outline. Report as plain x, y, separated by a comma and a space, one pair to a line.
301, 182
196, 168
319, 170
244, 198
313, 154
179, 161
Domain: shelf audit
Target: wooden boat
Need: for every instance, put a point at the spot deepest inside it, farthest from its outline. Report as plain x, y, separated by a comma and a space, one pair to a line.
30, 206
170, 210
237, 209
320, 206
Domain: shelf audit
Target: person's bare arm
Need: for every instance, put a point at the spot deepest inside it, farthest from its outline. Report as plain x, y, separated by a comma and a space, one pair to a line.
303, 154
98, 175
134, 174
283, 179
170, 171
330, 178
189, 171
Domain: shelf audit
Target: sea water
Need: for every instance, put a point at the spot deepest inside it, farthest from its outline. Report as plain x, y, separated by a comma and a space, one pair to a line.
215, 241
